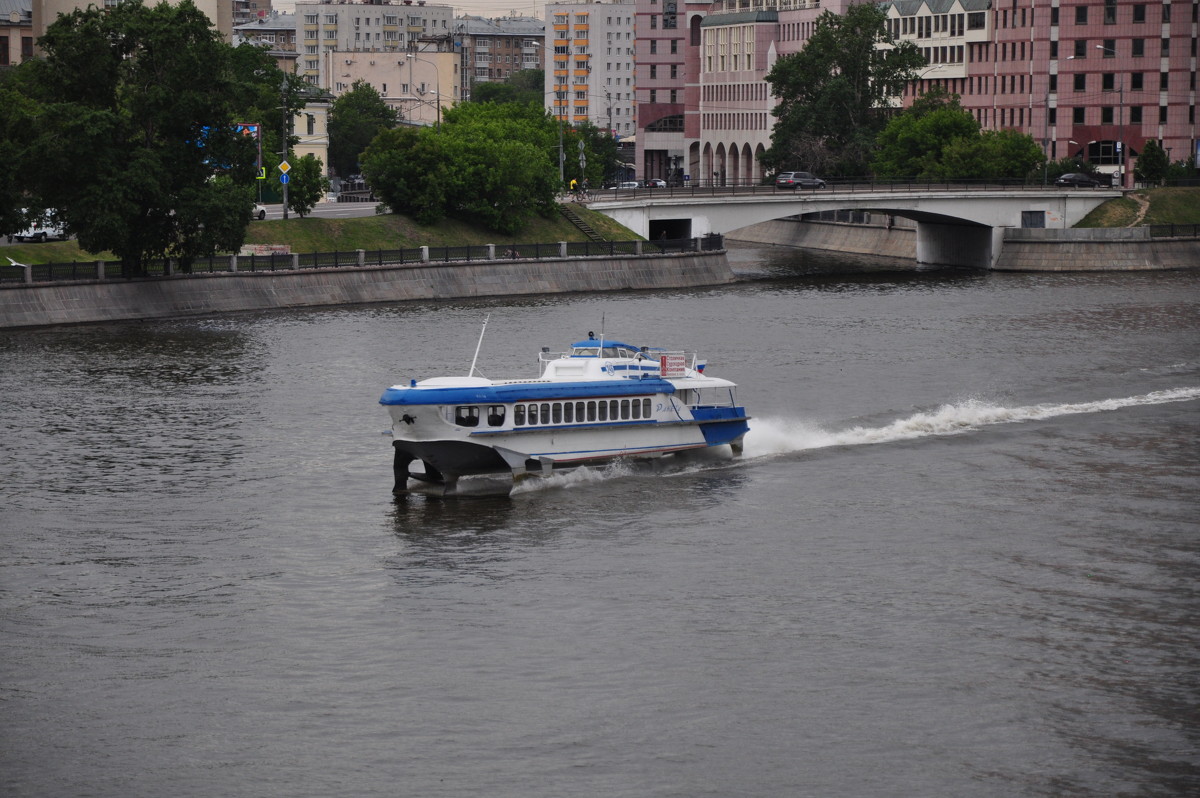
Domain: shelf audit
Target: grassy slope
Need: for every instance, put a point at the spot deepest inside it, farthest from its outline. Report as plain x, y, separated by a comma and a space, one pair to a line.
1167, 206
389, 231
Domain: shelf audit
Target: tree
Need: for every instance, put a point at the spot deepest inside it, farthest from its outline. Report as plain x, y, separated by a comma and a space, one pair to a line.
1152, 165
489, 163
308, 184
832, 93
991, 155
911, 144
133, 145
355, 119
524, 86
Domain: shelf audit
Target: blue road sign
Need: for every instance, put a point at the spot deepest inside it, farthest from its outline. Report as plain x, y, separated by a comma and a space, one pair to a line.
284, 178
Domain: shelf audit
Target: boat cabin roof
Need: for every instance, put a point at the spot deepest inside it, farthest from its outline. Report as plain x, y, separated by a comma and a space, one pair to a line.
592, 348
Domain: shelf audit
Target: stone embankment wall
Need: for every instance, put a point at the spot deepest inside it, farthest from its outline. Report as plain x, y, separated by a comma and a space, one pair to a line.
1089, 250
1074, 249
116, 300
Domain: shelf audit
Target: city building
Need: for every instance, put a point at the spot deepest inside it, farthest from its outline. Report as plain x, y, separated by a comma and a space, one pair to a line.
1092, 78
589, 63
274, 31
377, 26
249, 10
493, 49
16, 32
219, 12
418, 85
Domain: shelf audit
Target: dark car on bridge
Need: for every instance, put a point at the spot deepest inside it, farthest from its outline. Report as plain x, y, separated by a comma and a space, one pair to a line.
1078, 180
798, 180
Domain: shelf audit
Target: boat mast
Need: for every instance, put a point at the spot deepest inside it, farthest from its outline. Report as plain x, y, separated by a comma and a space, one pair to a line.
471, 373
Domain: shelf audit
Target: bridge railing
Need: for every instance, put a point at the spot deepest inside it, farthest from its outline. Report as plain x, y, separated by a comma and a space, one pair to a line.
851, 185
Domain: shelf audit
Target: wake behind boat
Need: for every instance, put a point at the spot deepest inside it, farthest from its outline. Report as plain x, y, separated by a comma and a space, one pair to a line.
601, 401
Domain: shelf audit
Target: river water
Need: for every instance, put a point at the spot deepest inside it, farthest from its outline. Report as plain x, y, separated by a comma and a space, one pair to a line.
959, 556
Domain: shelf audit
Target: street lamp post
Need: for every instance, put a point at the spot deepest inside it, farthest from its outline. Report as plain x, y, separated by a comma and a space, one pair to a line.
1120, 117
437, 89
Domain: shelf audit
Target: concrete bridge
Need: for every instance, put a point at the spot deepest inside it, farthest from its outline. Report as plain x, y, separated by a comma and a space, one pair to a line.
956, 225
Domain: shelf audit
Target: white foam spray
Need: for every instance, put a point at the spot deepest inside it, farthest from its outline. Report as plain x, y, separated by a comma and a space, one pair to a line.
776, 436
773, 436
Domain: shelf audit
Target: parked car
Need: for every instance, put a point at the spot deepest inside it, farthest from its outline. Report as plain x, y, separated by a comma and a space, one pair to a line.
259, 212
626, 184
1077, 179
43, 229
798, 180
654, 182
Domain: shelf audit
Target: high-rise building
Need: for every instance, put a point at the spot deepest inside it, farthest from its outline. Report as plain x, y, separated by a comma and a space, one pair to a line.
589, 63
376, 26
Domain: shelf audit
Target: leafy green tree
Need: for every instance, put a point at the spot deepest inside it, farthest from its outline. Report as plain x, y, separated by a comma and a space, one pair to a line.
1152, 165
490, 163
355, 119
992, 155
911, 145
524, 86
134, 144
308, 184
833, 92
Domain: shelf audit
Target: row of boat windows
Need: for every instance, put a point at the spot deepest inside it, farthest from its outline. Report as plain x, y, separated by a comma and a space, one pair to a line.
534, 414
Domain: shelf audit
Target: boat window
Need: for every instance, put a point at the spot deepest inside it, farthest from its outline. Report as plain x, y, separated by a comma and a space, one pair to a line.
533, 416
579, 411
546, 414
645, 408
602, 411
518, 415
610, 351
556, 413
614, 409
569, 412
495, 415
637, 408
624, 408
466, 416
584, 351
591, 411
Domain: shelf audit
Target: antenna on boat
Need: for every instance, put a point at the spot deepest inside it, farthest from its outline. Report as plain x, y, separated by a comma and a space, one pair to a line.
471, 373
601, 333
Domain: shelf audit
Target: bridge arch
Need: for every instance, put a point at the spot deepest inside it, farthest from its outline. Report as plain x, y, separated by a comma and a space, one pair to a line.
957, 225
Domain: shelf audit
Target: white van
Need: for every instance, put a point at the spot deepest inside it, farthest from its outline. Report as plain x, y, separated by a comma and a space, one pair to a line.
43, 229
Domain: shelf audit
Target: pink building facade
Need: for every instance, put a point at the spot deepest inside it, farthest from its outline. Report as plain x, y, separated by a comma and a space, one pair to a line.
1094, 78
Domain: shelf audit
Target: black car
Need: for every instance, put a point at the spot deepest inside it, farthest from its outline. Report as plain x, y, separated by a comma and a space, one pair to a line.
1077, 179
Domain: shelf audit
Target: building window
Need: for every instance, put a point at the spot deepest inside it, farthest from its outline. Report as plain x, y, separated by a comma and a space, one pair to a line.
1162, 114
1108, 81
1135, 115
1054, 49
1080, 81
1110, 12
653, 46
1166, 45
1077, 116
1138, 47
1106, 115
1053, 16
1080, 47
1135, 81
1139, 12
1110, 48
1163, 78
1053, 83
